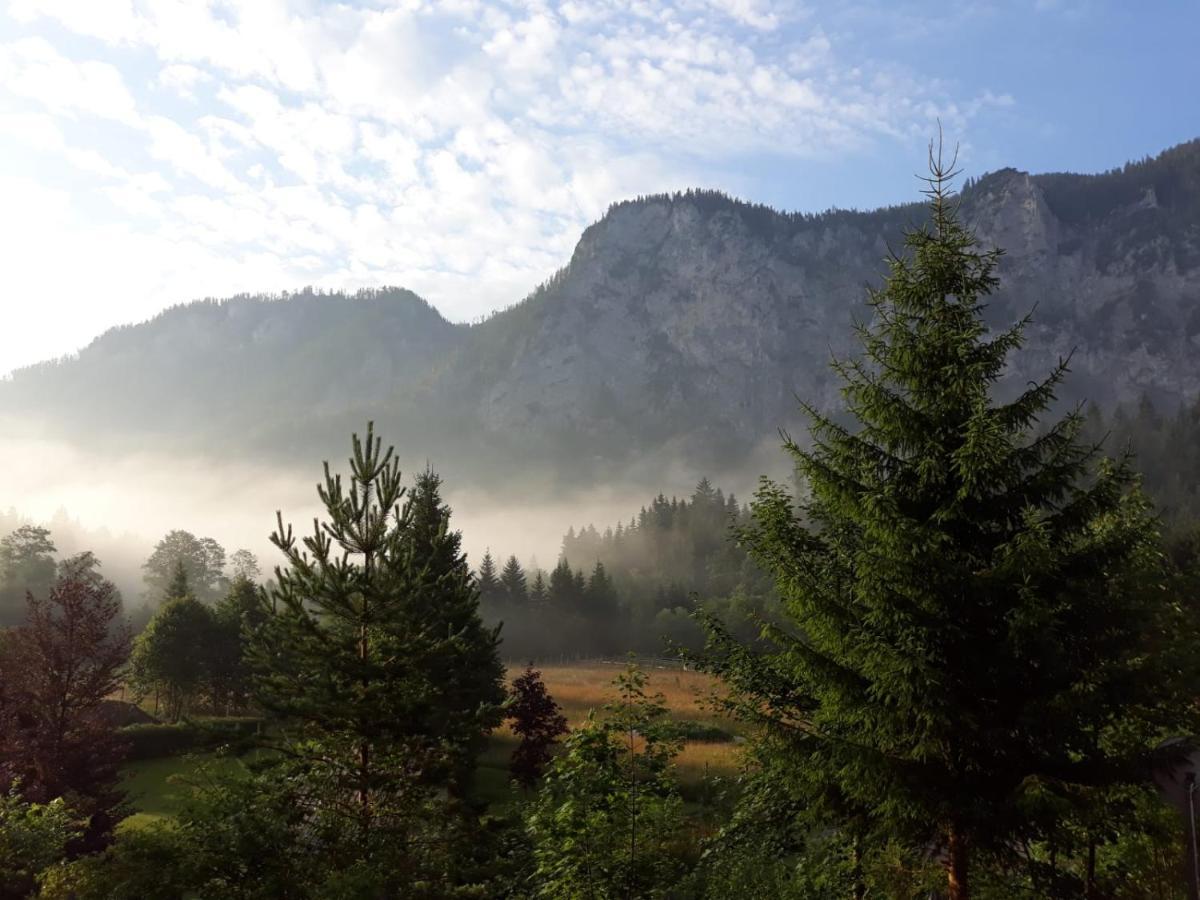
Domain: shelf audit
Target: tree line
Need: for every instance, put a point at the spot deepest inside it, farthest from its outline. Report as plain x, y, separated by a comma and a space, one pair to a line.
983, 658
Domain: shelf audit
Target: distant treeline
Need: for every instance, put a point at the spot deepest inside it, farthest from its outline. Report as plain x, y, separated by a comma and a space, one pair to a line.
633, 586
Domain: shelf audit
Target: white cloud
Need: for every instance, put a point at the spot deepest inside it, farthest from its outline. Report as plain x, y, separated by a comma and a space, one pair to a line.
32, 68
457, 148
183, 79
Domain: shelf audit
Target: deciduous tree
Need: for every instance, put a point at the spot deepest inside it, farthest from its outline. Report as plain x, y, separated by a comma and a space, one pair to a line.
57, 670
537, 721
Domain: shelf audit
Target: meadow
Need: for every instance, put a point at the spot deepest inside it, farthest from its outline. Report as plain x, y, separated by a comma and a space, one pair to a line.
157, 787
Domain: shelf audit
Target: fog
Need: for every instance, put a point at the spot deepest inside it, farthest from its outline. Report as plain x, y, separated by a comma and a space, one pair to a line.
120, 506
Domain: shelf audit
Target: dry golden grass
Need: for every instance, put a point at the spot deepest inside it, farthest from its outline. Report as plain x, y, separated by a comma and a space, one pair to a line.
578, 688
586, 686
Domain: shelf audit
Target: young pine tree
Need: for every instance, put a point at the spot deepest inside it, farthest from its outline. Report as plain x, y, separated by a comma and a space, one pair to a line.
374, 660
971, 595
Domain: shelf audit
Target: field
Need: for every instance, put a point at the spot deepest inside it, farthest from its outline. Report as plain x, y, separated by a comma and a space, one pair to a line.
157, 787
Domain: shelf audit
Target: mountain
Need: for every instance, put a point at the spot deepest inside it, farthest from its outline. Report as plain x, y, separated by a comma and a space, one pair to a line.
679, 334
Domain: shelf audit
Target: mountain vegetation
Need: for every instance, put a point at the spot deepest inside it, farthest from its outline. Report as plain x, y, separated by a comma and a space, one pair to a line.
956, 651
678, 333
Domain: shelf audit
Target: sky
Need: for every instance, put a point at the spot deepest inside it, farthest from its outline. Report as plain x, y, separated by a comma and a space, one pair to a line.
154, 152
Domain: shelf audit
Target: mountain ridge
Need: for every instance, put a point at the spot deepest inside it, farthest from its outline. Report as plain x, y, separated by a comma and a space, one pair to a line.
681, 329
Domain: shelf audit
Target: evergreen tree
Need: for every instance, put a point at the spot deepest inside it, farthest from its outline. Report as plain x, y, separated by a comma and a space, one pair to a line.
488, 585
467, 672
352, 658
561, 592
512, 581
602, 610
539, 594
967, 595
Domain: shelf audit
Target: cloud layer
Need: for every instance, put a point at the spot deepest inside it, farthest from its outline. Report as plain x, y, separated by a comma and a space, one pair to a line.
161, 151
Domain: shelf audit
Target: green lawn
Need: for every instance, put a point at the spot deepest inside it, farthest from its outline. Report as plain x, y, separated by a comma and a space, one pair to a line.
157, 788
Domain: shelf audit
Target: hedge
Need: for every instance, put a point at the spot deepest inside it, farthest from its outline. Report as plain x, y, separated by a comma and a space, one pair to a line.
155, 740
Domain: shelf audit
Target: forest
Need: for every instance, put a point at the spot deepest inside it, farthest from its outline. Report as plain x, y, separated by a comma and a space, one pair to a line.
954, 656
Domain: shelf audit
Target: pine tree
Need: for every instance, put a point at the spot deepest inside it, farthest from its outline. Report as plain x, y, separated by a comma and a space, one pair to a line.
966, 593
601, 610
354, 657
512, 581
561, 591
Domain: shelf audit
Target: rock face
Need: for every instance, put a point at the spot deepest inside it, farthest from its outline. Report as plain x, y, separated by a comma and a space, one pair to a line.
683, 328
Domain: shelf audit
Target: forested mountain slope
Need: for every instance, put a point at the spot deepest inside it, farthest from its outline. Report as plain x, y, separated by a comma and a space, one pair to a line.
679, 333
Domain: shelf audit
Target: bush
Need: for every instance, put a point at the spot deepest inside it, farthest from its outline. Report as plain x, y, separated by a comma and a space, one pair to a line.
151, 741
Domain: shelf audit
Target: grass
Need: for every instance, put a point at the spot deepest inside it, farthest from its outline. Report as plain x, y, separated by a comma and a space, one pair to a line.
157, 790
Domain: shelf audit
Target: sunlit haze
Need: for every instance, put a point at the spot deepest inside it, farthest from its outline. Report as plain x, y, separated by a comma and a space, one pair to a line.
152, 153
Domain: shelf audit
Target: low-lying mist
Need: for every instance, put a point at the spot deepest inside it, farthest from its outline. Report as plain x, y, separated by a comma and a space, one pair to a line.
120, 506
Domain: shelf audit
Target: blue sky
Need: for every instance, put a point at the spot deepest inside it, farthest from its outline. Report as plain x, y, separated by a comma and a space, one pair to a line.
156, 152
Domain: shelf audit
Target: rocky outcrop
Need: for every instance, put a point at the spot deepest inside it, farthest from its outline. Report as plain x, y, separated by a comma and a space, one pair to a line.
683, 328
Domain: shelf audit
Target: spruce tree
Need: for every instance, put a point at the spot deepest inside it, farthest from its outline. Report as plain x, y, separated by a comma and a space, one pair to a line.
487, 583
465, 669
539, 594
970, 592
512, 582
602, 610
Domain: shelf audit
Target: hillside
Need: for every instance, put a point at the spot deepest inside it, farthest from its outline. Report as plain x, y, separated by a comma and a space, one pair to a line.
678, 334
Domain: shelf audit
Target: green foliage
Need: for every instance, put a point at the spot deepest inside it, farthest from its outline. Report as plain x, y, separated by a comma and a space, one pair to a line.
33, 836
372, 657
202, 561
512, 581
234, 618
970, 604
643, 582
26, 566
171, 658
153, 740
538, 721
607, 821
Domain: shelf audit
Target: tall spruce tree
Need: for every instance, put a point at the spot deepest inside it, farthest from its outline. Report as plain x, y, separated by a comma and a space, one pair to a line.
465, 667
512, 581
538, 592
487, 582
970, 594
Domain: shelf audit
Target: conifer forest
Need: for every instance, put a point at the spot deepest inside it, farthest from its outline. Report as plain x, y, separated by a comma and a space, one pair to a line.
818, 555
